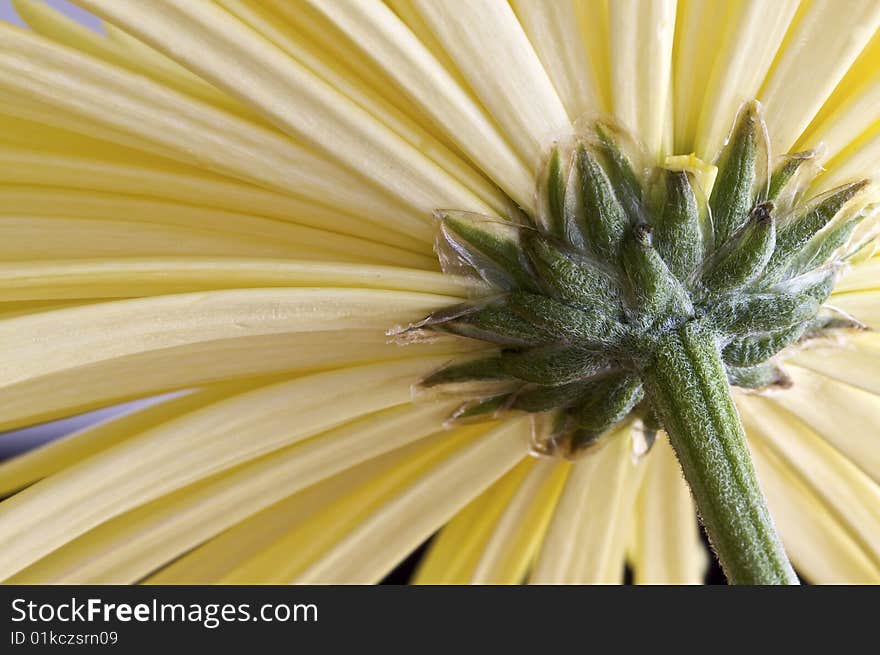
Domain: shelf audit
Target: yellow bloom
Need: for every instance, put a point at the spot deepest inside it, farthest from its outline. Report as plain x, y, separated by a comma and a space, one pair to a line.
234, 198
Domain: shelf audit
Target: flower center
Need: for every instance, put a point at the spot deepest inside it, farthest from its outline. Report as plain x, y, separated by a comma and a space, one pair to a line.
619, 254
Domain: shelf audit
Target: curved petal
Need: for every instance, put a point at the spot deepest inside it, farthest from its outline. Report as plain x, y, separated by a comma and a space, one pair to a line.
851, 109
642, 33
189, 448
585, 542
559, 39
493, 53
208, 40
85, 357
666, 547
804, 75
515, 539
751, 33
845, 492
384, 538
311, 520
855, 362
129, 547
57, 85
53, 24
134, 277
846, 417
380, 38
455, 551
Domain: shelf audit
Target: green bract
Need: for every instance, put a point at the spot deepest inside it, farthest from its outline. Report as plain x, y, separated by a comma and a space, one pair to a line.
621, 255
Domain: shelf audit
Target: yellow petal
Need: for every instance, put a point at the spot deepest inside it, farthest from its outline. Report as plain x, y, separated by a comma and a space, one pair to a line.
851, 109
699, 25
133, 277
817, 545
190, 448
34, 203
382, 42
858, 161
493, 53
846, 416
86, 357
865, 276
57, 84
518, 534
18, 472
88, 164
641, 37
385, 537
855, 362
849, 495
585, 540
557, 35
748, 38
276, 543
53, 24
209, 41
456, 550
667, 547
820, 547
127, 548
805, 73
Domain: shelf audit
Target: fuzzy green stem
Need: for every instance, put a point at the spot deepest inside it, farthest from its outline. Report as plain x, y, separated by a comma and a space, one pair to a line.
688, 389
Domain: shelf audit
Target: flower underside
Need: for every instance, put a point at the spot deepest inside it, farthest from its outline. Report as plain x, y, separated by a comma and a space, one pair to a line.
621, 254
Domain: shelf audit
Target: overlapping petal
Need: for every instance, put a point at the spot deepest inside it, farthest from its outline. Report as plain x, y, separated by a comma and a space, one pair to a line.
236, 196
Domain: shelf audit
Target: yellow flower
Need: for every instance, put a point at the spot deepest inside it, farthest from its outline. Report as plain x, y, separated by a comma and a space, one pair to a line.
235, 198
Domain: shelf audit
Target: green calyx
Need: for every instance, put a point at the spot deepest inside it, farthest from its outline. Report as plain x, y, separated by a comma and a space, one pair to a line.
581, 296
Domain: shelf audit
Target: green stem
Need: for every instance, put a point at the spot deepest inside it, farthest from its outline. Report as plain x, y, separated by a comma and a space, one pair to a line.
687, 387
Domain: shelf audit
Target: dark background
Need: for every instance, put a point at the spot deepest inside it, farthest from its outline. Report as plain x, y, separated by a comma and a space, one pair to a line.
402, 574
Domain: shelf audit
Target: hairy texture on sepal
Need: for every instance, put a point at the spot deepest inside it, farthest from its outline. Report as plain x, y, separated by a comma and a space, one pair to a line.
619, 168
583, 296
794, 235
754, 349
761, 376
569, 276
654, 291
732, 196
745, 255
679, 239
491, 247
604, 219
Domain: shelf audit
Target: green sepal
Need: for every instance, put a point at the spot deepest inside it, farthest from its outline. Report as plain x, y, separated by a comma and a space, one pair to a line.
731, 199
493, 322
829, 321
608, 401
538, 398
491, 246
481, 407
760, 376
677, 235
623, 178
653, 289
795, 234
569, 276
785, 172
817, 284
487, 368
823, 246
564, 321
554, 364
752, 350
762, 312
745, 254
604, 220
555, 191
